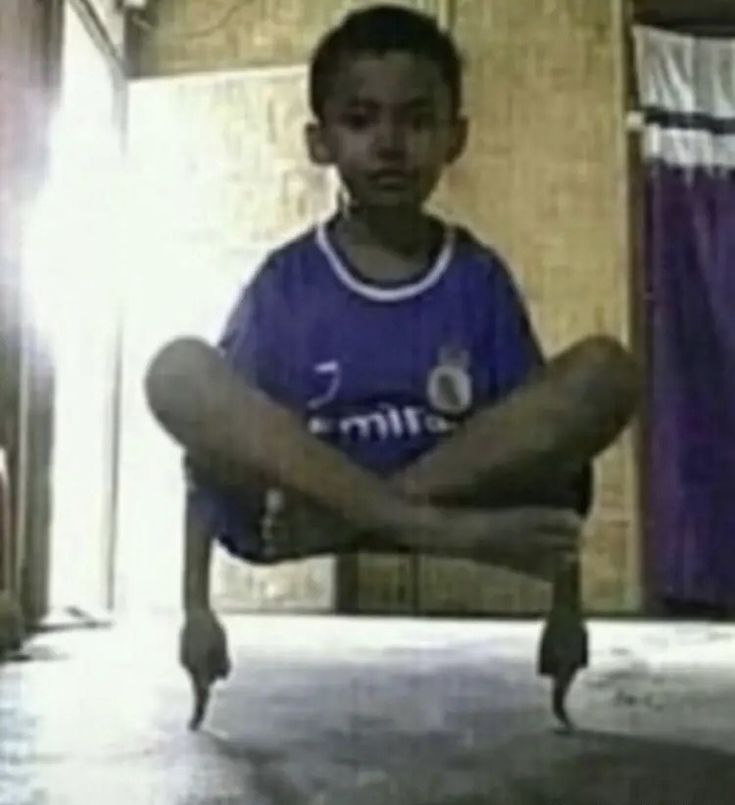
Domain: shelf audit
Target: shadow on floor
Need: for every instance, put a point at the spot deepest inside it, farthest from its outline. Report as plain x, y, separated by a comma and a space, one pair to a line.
587, 768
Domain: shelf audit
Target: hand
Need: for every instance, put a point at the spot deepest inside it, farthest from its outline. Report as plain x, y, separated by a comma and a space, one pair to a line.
203, 653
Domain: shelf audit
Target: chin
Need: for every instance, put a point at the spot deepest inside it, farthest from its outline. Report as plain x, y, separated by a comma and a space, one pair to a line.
396, 204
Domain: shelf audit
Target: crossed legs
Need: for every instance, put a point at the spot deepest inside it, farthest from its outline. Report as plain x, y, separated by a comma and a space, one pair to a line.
527, 453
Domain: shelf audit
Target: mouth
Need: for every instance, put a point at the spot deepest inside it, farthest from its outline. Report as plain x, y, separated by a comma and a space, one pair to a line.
391, 178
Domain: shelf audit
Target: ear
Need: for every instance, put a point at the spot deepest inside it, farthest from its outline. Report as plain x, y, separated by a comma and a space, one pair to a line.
458, 140
316, 144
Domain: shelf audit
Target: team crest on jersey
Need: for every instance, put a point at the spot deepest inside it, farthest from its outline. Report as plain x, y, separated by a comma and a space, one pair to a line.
449, 388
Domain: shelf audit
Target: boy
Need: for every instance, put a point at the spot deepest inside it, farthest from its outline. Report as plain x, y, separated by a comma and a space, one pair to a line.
378, 387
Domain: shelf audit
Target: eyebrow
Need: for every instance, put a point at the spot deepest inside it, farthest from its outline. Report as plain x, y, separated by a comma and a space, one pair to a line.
418, 102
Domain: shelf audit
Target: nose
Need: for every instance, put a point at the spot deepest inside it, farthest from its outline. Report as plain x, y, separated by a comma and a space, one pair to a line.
390, 137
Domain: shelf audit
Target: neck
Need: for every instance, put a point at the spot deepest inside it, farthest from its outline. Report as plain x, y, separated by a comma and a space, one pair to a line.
405, 233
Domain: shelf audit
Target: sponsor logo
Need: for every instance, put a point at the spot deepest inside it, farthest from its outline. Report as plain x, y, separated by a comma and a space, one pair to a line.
386, 422
332, 377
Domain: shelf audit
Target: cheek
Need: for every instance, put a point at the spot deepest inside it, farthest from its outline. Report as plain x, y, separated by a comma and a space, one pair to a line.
431, 147
351, 151
432, 156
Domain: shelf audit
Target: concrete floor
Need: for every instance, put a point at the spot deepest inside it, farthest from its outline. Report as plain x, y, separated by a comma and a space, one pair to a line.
330, 711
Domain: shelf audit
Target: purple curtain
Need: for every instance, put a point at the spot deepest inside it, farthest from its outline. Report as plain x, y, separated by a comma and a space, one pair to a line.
689, 103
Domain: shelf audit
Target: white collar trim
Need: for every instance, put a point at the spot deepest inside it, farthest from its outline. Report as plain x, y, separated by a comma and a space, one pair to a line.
377, 293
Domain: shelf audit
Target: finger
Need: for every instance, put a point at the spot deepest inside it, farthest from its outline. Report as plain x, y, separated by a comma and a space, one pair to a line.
218, 663
565, 530
568, 539
224, 668
560, 688
568, 522
556, 543
220, 669
201, 687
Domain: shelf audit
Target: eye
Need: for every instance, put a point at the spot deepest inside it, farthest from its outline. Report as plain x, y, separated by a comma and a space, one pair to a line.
422, 119
419, 117
356, 120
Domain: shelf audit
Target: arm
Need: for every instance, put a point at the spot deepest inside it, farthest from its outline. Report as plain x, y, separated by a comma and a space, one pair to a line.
203, 643
197, 563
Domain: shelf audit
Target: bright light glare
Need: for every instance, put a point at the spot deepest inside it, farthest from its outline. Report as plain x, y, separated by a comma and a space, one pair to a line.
74, 265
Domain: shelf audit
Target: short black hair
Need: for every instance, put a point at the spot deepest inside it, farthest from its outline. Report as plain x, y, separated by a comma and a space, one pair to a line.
381, 29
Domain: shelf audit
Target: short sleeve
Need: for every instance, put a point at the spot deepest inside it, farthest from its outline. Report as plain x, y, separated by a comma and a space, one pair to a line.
514, 346
240, 337
224, 515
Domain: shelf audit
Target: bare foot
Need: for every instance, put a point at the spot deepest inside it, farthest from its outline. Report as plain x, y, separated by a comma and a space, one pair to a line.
529, 539
295, 528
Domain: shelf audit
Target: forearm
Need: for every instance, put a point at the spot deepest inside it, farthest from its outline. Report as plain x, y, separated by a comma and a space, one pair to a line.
197, 563
236, 432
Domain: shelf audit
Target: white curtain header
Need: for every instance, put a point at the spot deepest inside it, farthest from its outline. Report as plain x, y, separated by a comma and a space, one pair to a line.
686, 87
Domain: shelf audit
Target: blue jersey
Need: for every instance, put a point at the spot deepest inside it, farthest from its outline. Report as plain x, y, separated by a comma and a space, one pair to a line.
382, 372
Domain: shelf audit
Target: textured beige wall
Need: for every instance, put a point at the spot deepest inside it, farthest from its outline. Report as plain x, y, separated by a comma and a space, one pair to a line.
544, 179
219, 174
203, 35
546, 90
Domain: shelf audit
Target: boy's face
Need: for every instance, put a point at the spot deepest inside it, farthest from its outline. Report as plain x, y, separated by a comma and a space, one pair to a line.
389, 129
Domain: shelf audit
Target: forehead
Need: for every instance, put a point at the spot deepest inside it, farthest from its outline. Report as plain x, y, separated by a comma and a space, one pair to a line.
388, 79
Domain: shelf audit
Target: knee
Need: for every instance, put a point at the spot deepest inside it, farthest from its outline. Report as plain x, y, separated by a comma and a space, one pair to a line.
610, 362
172, 373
